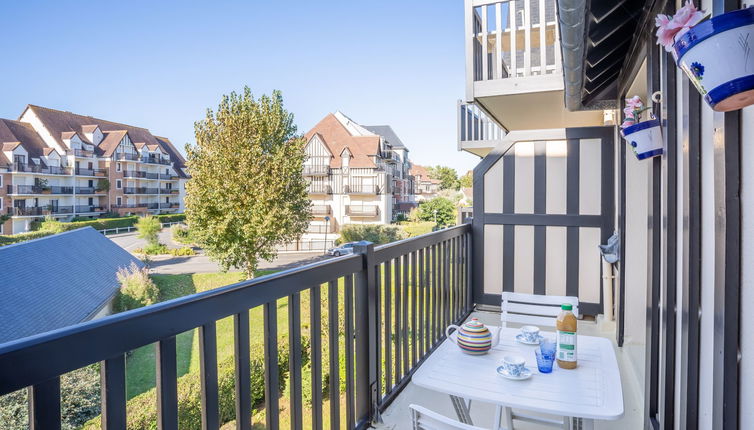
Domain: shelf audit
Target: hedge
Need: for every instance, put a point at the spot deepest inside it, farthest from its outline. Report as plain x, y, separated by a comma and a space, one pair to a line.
142, 409
23, 237
414, 229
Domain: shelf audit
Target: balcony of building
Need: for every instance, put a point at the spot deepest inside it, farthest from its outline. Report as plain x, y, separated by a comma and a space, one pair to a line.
39, 169
127, 156
321, 228
17, 190
171, 191
321, 210
91, 190
43, 210
361, 189
514, 67
80, 153
93, 172
365, 211
316, 170
155, 160
319, 189
90, 209
169, 205
140, 190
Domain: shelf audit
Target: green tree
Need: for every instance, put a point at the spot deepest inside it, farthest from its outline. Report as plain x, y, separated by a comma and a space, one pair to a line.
467, 180
446, 175
439, 210
247, 194
149, 227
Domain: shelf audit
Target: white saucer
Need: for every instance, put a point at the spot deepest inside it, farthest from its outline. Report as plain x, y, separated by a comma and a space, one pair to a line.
526, 374
520, 338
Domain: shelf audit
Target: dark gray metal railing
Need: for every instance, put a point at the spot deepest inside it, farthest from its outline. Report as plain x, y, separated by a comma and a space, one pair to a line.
39, 189
396, 300
91, 172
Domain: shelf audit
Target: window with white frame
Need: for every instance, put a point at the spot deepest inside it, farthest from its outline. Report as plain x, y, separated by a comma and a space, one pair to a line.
117, 167
118, 184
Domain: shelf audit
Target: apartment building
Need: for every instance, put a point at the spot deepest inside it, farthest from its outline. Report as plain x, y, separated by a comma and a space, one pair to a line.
425, 187
357, 175
65, 165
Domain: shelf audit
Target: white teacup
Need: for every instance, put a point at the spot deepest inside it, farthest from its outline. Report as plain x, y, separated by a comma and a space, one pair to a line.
514, 364
530, 333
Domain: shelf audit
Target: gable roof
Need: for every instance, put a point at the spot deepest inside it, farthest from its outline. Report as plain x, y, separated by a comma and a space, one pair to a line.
111, 141
45, 289
388, 134
24, 134
337, 138
422, 174
57, 122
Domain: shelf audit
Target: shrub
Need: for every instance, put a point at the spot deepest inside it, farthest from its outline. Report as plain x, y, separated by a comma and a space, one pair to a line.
413, 229
142, 409
136, 289
182, 251
23, 237
52, 225
376, 233
165, 218
181, 234
149, 227
80, 401
439, 209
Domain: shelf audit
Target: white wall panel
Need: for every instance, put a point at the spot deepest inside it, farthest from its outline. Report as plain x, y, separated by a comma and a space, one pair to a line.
493, 259
556, 165
523, 276
589, 265
555, 283
493, 188
524, 196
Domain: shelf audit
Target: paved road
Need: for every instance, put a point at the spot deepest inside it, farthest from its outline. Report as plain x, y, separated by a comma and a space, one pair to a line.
201, 263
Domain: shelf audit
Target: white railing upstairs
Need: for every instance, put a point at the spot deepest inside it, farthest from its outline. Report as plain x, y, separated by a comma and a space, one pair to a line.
475, 126
512, 38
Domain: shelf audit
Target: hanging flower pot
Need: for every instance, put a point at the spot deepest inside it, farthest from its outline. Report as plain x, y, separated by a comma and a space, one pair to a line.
645, 137
716, 54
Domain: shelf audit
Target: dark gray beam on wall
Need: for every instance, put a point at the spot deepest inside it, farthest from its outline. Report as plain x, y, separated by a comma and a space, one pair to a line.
572, 208
540, 207
509, 231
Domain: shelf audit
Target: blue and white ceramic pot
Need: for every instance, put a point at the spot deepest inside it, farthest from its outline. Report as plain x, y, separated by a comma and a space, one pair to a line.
645, 138
718, 57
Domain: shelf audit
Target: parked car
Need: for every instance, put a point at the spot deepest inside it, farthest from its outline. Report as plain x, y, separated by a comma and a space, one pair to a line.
344, 249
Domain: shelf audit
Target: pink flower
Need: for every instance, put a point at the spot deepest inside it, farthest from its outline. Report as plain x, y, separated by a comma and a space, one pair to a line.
669, 29
634, 103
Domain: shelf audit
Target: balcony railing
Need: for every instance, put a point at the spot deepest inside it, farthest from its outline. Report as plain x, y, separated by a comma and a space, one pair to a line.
476, 127
321, 210
81, 153
430, 290
320, 189
39, 210
89, 209
155, 160
173, 191
171, 205
38, 189
31, 168
80, 171
128, 206
316, 169
90, 190
512, 39
168, 176
362, 189
139, 190
126, 156
321, 228
362, 211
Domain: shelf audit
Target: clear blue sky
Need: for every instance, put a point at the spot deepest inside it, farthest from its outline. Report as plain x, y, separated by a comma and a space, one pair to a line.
160, 64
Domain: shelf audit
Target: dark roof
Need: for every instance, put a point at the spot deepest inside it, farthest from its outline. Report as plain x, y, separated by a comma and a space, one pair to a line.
387, 132
57, 281
17, 131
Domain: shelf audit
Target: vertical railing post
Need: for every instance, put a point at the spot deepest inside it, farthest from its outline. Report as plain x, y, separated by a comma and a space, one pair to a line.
367, 354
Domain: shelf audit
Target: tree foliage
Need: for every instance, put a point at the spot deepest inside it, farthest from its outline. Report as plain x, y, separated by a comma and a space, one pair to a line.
446, 175
149, 228
467, 180
446, 211
247, 193
375, 233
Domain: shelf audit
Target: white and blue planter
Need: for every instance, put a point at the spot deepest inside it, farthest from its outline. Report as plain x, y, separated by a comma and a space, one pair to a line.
718, 57
645, 139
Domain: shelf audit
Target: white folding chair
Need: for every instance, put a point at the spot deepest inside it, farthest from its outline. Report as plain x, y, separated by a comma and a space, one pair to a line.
541, 311
424, 419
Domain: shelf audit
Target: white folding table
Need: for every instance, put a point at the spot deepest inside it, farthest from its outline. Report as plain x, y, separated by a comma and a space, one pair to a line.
590, 392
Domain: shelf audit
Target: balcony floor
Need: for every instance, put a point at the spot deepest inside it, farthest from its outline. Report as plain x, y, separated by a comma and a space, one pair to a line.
397, 416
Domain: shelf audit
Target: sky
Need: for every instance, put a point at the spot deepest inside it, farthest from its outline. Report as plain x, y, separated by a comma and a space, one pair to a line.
160, 65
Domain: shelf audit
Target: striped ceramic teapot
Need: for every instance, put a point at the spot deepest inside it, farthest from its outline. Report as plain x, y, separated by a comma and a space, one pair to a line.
473, 337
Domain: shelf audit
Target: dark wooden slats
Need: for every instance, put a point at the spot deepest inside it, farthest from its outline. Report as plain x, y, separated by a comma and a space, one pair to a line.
404, 318
388, 328
380, 346
271, 370
294, 339
333, 334
398, 322
44, 405
243, 371
420, 303
446, 283
348, 305
315, 324
435, 297
113, 388
167, 386
208, 374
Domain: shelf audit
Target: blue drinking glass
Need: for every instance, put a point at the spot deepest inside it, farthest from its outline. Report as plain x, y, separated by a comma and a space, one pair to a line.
545, 359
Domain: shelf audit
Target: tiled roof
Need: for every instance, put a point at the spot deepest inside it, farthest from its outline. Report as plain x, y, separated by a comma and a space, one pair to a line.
422, 174
57, 281
388, 134
22, 132
336, 137
111, 141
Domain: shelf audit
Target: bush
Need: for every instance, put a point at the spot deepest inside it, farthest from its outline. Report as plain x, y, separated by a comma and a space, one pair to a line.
438, 209
52, 225
376, 233
182, 251
413, 229
136, 289
80, 401
165, 218
181, 234
142, 409
149, 227
23, 237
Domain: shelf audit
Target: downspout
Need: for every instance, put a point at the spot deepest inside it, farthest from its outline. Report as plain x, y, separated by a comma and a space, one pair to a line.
571, 18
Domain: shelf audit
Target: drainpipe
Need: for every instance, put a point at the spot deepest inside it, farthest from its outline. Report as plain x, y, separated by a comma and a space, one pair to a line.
571, 18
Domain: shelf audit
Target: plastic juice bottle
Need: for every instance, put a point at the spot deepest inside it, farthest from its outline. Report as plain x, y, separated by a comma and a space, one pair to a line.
566, 343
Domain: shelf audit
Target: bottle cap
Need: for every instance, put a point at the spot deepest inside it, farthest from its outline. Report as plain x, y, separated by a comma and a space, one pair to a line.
566, 306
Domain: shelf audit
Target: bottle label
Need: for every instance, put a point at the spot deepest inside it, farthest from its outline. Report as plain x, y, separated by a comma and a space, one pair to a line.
566, 346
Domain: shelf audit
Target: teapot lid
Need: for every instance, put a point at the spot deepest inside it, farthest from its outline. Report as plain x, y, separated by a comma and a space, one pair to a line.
474, 325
